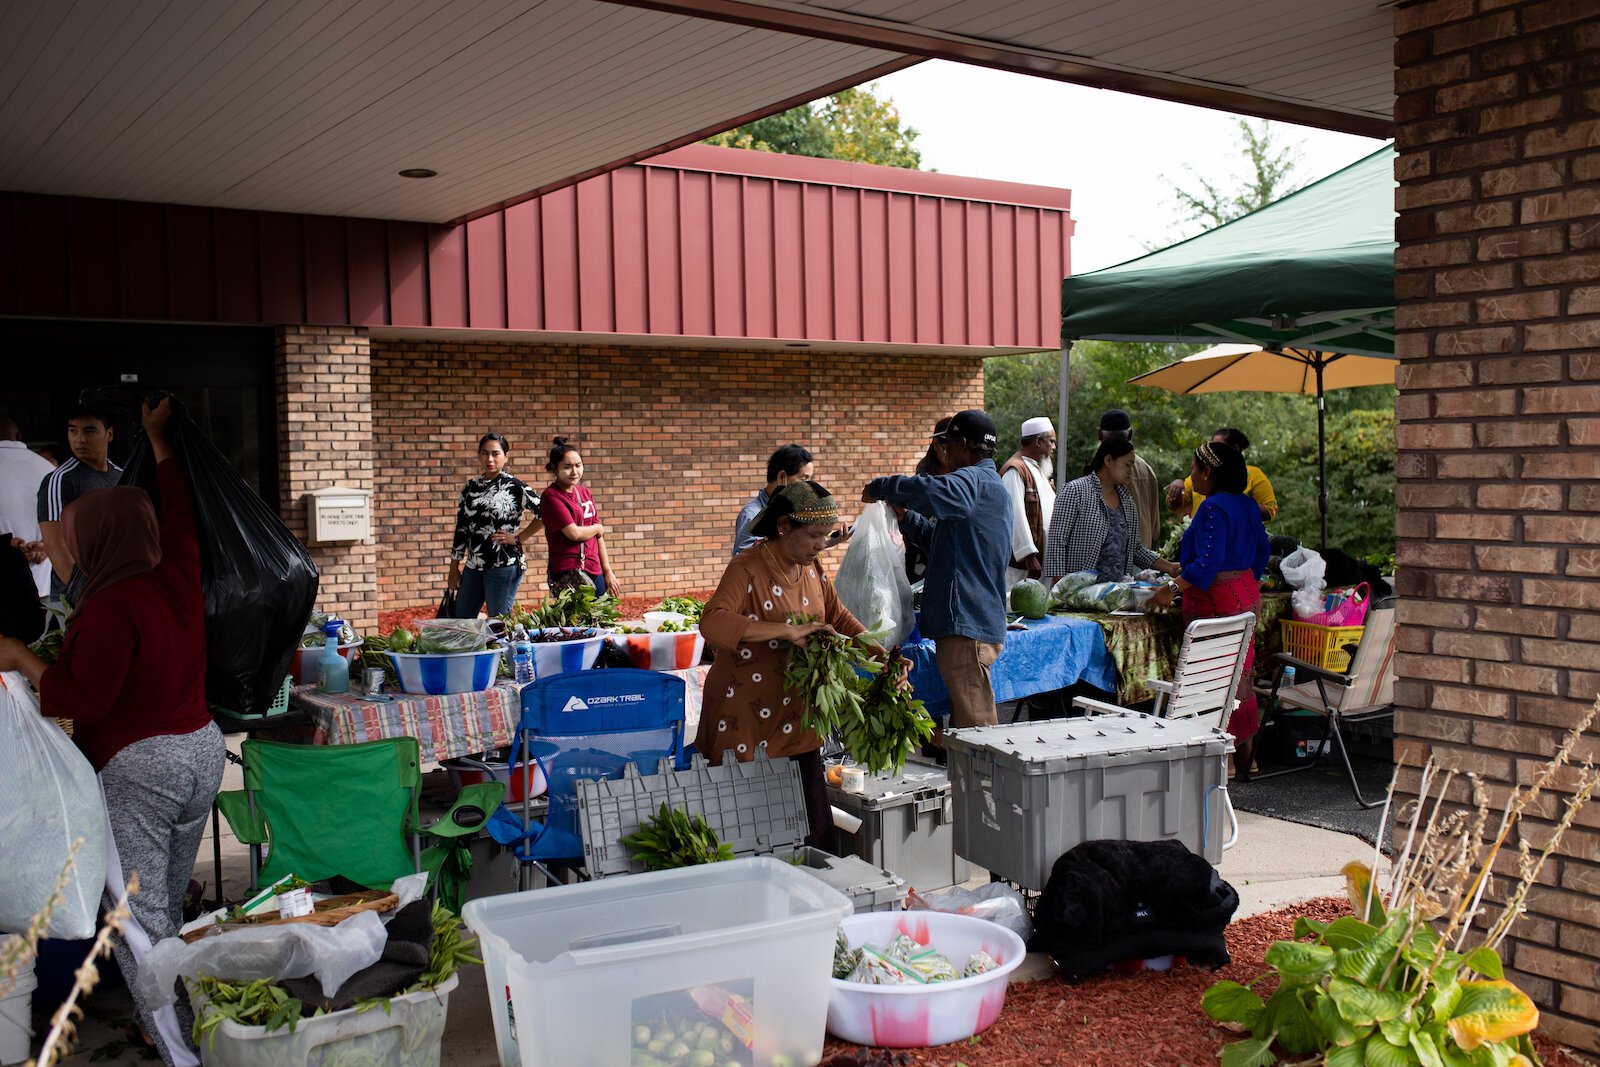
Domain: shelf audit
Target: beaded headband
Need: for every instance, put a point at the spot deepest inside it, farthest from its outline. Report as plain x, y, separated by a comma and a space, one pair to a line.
1207, 455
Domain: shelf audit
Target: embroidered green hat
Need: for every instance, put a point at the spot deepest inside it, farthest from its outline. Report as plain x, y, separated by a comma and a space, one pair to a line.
804, 502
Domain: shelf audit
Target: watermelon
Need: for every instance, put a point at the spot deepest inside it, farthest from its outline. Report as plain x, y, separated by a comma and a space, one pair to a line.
1028, 598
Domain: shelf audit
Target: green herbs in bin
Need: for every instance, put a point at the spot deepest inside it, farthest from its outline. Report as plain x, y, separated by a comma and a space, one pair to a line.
673, 839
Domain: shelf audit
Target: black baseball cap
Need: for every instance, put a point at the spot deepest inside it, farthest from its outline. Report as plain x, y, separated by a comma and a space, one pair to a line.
970, 425
1115, 419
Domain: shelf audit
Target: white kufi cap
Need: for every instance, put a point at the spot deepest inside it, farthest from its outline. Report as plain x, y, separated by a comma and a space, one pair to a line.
1037, 425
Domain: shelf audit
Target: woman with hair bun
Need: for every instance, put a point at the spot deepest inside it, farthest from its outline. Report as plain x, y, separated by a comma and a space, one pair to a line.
1221, 558
486, 557
572, 527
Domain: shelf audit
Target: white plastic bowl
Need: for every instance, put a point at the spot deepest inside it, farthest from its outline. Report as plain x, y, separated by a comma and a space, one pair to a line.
661, 652
653, 620
443, 673
922, 1016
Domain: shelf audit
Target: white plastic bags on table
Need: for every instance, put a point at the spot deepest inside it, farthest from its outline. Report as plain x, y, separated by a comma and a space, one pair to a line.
1304, 569
872, 582
49, 798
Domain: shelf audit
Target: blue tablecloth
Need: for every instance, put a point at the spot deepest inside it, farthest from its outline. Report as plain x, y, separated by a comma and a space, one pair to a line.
1052, 653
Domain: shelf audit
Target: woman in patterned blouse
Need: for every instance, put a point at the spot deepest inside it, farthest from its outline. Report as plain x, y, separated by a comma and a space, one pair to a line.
486, 558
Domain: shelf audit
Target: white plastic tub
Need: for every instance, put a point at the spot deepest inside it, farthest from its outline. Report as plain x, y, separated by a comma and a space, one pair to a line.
409, 1034
921, 1016
661, 652
574, 971
444, 673
16, 1016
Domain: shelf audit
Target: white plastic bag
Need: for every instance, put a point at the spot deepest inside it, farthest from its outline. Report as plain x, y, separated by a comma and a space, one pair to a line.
49, 798
997, 902
872, 582
1304, 569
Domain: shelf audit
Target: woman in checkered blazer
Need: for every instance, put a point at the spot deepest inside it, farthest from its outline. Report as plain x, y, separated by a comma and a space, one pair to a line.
1095, 524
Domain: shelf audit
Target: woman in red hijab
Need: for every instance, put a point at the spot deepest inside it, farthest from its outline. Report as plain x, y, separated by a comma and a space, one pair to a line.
131, 675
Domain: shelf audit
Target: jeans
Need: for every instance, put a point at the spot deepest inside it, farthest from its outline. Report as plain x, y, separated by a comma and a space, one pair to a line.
496, 585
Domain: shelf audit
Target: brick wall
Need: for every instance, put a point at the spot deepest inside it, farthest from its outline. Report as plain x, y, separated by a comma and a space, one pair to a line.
325, 438
1498, 278
674, 441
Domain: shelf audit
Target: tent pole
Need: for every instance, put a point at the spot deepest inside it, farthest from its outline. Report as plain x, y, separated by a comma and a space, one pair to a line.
1061, 413
1322, 458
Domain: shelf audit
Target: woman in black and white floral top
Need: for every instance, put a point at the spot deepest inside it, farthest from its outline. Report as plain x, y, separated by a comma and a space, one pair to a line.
486, 559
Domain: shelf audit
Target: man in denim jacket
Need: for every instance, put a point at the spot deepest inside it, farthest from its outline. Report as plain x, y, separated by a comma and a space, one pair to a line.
962, 520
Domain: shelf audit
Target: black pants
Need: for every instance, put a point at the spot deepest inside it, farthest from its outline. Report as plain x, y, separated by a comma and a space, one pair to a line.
819, 810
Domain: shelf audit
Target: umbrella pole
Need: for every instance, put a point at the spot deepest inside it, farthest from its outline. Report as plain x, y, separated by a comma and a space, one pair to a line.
1322, 457
1062, 477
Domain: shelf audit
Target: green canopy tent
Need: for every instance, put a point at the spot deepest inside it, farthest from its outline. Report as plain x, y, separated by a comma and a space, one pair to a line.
1310, 275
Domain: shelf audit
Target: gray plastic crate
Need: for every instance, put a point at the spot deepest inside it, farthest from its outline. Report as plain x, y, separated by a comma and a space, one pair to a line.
1026, 793
906, 827
756, 808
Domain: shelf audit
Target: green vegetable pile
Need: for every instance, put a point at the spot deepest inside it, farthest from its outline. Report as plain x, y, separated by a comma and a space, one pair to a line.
680, 1042
848, 694
373, 648
48, 647
673, 838
570, 607
683, 605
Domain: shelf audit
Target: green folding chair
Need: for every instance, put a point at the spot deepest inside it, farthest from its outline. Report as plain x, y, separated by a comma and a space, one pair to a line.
348, 810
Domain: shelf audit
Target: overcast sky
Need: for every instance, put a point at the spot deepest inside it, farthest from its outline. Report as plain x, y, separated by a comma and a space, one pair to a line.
1119, 154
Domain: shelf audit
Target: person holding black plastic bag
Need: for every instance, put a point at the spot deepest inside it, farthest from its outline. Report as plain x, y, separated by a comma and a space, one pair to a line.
486, 557
131, 674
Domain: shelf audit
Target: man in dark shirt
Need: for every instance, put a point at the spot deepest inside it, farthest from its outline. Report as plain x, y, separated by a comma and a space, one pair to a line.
89, 434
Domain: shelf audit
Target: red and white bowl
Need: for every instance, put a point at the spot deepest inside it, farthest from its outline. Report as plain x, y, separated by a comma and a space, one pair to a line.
661, 652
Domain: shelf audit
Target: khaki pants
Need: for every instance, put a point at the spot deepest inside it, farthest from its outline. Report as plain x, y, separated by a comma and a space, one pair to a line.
964, 665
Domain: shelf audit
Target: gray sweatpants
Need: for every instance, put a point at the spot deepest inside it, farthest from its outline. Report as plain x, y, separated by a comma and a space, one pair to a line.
158, 794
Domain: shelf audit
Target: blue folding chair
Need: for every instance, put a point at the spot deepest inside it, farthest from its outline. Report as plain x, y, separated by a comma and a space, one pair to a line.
576, 725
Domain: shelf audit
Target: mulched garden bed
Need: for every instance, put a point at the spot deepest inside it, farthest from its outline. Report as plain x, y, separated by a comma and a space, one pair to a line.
1123, 1020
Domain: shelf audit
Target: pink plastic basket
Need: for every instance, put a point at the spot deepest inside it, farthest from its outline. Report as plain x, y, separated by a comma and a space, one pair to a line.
1350, 611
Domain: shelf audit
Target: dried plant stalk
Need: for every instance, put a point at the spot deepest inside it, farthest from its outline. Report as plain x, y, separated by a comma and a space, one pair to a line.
63, 1024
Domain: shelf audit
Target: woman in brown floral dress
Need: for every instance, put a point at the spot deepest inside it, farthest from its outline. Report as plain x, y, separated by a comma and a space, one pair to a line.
745, 704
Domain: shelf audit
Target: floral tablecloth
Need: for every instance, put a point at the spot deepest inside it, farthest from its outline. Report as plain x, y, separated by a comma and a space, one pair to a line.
1146, 646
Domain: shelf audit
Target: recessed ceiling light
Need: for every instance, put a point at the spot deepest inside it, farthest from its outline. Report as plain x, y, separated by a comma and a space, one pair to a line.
418, 172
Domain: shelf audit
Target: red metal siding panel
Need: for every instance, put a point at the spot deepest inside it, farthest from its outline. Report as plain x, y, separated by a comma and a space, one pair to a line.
727, 256
486, 272
873, 242
900, 240
788, 260
524, 273
595, 311
953, 271
1003, 257
408, 274
236, 257
1052, 264
327, 298
142, 261
979, 275
816, 222
283, 287
447, 276
755, 219
1030, 281
628, 256
929, 277
663, 296
558, 226
694, 252
91, 259
847, 264
367, 271
191, 284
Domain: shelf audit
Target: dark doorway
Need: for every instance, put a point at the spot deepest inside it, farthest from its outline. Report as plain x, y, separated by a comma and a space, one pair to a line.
224, 376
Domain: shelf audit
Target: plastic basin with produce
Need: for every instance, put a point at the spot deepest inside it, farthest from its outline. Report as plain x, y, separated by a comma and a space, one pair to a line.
443, 673
661, 651
654, 620
575, 972
303, 664
921, 1016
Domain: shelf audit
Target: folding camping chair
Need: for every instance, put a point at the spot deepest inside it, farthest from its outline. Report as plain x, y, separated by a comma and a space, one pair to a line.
341, 810
582, 725
1210, 662
1364, 693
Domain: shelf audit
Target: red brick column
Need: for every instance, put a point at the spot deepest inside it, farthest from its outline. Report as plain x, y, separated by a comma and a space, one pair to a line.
325, 438
1498, 278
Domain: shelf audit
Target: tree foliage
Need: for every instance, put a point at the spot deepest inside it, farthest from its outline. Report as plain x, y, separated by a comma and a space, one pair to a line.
1167, 427
856, 124
1271, 166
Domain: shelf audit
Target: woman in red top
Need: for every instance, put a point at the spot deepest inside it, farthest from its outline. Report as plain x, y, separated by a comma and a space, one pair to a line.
572, 527
131, 675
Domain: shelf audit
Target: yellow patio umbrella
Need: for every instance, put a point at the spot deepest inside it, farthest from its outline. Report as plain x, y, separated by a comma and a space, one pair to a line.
1253, 369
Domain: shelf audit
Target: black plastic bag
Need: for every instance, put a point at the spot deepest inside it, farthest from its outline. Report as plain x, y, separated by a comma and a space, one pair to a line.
260, 585
447, 605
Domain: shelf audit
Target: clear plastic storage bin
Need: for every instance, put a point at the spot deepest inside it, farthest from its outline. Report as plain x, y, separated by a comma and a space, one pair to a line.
738, 953
1026, 793
409, 1034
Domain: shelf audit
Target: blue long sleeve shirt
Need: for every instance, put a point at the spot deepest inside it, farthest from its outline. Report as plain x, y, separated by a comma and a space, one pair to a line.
962, 522
1225, 535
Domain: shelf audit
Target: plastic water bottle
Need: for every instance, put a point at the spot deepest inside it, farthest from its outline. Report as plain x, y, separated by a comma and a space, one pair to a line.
1288, 678
522, 656
333, 671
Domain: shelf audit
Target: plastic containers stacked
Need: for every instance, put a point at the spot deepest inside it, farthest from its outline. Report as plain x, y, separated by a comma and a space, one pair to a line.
1027, 792
573, 971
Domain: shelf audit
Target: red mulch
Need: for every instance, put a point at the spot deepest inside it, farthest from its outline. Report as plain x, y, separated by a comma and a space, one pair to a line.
1132, 1020
632, 608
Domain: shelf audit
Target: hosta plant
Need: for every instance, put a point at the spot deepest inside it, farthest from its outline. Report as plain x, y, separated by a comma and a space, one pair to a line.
1399, 986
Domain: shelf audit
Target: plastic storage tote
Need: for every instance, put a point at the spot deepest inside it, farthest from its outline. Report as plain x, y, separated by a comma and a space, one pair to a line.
756, 807
906, 827
1026, 793
738, 953
409, 1034
1320, 646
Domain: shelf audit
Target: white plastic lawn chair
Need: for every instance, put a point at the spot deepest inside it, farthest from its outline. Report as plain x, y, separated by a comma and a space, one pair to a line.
1204, 683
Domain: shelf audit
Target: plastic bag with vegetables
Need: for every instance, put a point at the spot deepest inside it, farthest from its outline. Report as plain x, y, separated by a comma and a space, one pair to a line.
1065, 587
451, 635
1102, 596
